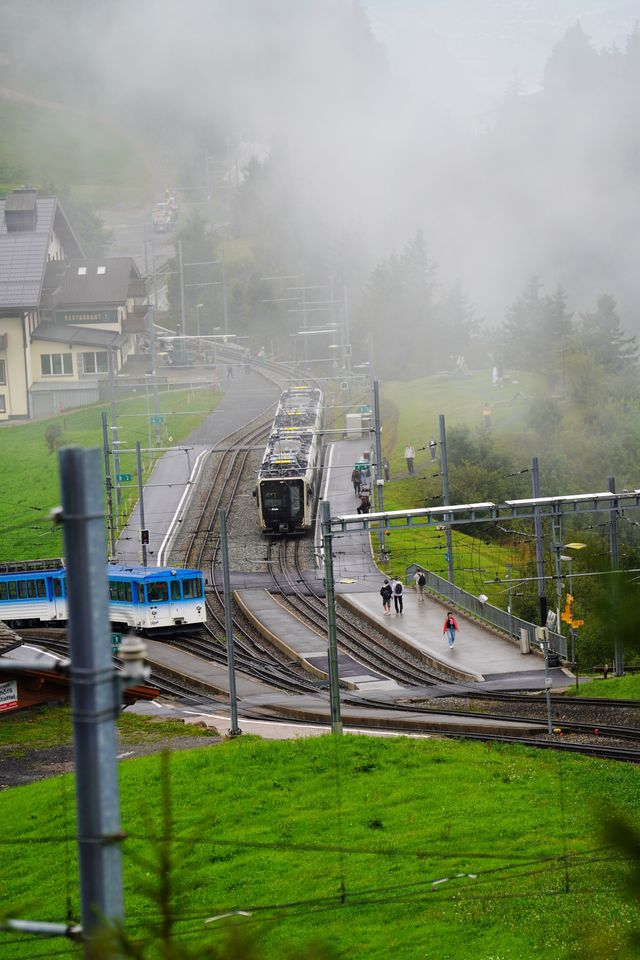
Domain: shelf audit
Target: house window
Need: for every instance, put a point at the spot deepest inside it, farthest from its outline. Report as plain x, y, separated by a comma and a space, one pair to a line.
3, 371
3, 403
56, 364
97, 362
82, 271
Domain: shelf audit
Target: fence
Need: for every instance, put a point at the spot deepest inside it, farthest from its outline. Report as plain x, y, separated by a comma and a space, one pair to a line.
514, 626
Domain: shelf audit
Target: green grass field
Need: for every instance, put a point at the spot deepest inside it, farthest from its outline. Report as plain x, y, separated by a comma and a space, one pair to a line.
379, 848
65, 147
31, 484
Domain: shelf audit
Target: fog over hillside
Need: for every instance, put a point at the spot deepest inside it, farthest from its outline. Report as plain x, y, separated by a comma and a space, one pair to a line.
383, 118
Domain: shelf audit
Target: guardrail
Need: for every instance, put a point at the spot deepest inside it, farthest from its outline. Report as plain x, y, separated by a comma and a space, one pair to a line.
517, 628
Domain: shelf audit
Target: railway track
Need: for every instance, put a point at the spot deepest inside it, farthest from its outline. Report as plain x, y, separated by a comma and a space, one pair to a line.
359, 641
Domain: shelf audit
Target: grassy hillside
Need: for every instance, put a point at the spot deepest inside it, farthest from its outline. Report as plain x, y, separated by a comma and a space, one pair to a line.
53, 146
31, 482
410, 414
380, 848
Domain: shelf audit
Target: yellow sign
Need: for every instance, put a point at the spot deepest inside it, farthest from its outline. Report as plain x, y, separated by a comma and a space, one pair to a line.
567, 616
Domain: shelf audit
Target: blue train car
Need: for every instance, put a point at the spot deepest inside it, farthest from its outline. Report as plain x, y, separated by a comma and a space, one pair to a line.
140, 598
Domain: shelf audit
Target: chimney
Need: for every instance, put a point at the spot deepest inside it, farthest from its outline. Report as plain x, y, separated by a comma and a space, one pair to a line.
20, 210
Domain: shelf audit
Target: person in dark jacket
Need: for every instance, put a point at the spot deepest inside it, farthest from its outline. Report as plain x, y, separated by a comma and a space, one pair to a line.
450, 628
356, 481
385, 593
365, 503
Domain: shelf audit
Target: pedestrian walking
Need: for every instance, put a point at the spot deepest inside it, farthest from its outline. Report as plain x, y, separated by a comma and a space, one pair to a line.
398, 591
386, 593
432, 449
365, 503
409, 455
420, 581
386, 468
356, 481
450, 628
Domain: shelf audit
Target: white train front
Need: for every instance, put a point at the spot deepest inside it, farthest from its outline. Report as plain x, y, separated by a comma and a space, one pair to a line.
289, 477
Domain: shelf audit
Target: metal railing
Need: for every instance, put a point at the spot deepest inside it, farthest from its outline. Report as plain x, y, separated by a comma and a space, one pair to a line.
501, 619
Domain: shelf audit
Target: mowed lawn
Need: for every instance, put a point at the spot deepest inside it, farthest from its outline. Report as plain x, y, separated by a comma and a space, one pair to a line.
410, 414
31, 483
380, 848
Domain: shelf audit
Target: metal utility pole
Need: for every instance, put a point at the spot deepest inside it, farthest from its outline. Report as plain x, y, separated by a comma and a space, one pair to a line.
143, 530
183, 317
444, 468
93, 692
114, 432
108, 486
334, 677
615, 584
347, 330
379, 471
224, 296
547, 679
228, 620
537, 527
557, 547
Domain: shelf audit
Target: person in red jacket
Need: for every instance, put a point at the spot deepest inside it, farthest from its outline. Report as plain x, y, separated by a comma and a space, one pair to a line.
450, 628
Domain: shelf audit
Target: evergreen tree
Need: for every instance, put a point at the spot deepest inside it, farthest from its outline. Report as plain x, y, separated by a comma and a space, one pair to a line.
602, 335
399, 300
456, 329
519, 343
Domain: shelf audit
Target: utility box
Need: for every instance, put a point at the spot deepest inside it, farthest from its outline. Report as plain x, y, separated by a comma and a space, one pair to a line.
354, 426
525, 643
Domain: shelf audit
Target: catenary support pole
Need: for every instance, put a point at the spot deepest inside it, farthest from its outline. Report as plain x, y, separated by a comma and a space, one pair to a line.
225, 305
334, 677
183, 316
537, 528
141, 504
615, 583
108, 486
444, 468
228, 620
547, 683
379, 470
94, 701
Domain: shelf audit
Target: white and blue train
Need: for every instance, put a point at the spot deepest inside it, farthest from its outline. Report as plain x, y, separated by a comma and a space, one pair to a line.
140, 598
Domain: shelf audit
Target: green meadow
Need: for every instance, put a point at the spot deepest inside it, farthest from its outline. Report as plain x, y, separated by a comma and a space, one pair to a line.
410, 414
31, 483
377, 848
56, 147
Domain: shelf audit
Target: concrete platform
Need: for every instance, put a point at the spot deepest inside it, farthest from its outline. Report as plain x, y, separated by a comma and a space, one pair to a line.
479, 651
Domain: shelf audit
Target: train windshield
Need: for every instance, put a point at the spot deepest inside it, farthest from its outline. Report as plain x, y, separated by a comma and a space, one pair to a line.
282, 500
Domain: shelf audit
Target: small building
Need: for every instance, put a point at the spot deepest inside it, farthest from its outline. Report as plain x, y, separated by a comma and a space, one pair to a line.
66, 323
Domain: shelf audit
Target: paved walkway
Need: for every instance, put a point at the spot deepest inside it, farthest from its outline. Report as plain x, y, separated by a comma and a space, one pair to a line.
479, 652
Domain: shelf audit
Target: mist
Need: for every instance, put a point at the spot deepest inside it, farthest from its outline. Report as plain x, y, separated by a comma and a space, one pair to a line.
504, 132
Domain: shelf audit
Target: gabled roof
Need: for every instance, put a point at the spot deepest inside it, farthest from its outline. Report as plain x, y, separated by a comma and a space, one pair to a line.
81, 283
23, 252
78, 336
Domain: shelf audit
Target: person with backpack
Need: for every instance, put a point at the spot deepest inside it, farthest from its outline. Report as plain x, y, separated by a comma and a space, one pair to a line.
450, 628
386, 593
356, 480
420, 581
365, 503
397, 595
